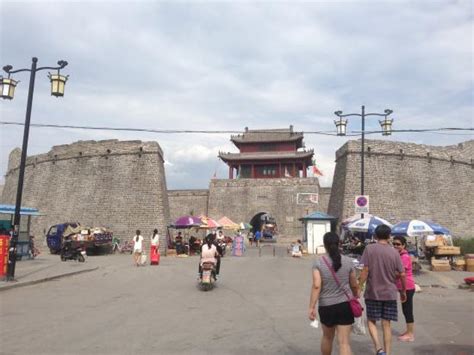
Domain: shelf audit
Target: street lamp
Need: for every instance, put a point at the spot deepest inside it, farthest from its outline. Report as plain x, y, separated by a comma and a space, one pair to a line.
7, 91
341, 126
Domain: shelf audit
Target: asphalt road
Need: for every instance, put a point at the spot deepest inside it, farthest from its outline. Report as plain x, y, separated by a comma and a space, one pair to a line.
259, 307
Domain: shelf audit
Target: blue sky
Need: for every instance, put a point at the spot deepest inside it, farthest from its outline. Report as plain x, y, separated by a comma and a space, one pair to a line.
229, 65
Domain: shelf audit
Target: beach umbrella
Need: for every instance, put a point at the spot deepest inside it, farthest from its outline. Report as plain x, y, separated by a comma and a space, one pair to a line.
353, 218
244, 225
187, 222
208, 223
227, 223
416, 227
367, 224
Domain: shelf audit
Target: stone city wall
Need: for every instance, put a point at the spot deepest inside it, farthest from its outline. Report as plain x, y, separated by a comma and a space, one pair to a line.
187, 202
408, 181
242, 199
324, 195
117, 184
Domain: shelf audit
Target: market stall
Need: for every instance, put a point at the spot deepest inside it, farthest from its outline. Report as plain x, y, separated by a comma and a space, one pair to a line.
179, 244
430, 240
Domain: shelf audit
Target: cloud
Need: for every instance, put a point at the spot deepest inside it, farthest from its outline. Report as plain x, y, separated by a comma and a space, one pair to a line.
227, 65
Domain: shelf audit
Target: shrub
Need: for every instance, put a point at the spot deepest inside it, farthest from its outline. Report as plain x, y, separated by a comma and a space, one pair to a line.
466, 244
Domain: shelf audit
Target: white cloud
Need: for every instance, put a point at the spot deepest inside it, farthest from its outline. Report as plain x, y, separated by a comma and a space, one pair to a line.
225, 66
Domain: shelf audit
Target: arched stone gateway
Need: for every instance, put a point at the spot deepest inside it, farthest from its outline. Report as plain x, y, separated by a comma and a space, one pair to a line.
265, 222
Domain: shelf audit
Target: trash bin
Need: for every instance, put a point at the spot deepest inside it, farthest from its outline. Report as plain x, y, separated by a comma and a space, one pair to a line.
4, 242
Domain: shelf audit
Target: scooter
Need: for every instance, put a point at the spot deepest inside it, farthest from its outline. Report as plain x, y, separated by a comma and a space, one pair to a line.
208, 278
68, 252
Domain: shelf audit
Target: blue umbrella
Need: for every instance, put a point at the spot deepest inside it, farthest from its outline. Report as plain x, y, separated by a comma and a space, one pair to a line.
367, 225
415, 227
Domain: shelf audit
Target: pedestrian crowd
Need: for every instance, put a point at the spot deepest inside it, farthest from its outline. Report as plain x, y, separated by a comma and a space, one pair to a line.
386, 275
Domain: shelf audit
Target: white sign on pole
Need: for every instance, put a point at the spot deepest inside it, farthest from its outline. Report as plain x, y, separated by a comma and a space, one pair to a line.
361, 204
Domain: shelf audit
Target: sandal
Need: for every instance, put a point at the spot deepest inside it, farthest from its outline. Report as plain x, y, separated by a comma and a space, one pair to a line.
381, 352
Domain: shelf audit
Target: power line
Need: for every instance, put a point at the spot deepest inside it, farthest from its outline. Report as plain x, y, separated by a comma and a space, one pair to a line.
441, 130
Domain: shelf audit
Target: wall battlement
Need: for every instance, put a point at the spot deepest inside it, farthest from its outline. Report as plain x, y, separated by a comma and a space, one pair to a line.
408, 181
461, 153
85, 149
111, 183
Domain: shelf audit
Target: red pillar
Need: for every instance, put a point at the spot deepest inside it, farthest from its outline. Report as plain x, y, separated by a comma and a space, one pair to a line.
253, 171
304, 169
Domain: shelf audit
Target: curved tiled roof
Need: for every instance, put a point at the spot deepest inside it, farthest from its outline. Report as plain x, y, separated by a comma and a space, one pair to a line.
266, 155
267, 135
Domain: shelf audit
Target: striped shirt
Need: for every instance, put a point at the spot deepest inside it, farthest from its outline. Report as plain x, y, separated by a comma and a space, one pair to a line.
331, 293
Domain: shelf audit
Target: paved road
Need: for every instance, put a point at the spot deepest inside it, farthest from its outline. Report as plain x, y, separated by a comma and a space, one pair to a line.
259, 307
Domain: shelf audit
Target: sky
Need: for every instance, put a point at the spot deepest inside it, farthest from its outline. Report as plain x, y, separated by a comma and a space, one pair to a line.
224, 66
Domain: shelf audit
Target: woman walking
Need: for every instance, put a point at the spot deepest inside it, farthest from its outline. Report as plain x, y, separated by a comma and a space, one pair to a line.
137, 247
155, 248
400, 243
335, 314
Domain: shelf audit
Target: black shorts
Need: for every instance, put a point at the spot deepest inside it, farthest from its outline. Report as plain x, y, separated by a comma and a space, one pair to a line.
337, 314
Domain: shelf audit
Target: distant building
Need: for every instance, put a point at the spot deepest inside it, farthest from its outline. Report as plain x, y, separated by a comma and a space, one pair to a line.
268, 154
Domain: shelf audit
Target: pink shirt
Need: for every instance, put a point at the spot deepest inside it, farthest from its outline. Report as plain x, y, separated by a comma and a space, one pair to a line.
406, 261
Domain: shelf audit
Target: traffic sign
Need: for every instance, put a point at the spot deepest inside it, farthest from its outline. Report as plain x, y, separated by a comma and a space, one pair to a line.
361, 204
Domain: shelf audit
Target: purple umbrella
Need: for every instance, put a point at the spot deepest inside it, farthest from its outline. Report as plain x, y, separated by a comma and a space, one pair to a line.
187, 221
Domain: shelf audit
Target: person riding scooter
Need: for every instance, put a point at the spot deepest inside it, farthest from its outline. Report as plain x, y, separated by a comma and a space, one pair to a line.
209, 253
69, 252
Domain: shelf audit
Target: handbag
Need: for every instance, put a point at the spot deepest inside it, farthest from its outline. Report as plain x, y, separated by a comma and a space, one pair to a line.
356, 307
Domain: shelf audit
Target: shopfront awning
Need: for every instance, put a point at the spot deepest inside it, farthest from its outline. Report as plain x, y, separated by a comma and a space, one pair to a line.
24, 211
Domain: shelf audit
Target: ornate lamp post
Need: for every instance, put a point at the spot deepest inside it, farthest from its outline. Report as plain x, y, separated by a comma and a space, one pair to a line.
7, 91
341, 125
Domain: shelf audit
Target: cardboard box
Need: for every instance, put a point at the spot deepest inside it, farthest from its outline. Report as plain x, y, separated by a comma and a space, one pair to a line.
440, 265
470, 268
460, 262
447, 250
432, 241
469, 258
469, 262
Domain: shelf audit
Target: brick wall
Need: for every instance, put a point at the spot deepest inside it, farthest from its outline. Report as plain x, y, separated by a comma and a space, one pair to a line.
187, 202
118, 184
242, 199
408, 181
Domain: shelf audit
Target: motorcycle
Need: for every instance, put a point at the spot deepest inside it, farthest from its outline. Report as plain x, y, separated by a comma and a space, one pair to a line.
208, 278
68, 252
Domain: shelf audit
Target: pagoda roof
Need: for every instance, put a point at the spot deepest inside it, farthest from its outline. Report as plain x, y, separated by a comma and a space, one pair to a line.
267, 135
266, 155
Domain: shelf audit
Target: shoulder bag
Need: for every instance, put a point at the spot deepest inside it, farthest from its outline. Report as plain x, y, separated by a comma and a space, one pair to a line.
356, 307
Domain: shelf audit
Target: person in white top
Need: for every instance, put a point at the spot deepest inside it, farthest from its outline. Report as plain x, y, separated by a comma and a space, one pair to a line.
137, 247
155, 239
208, 253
